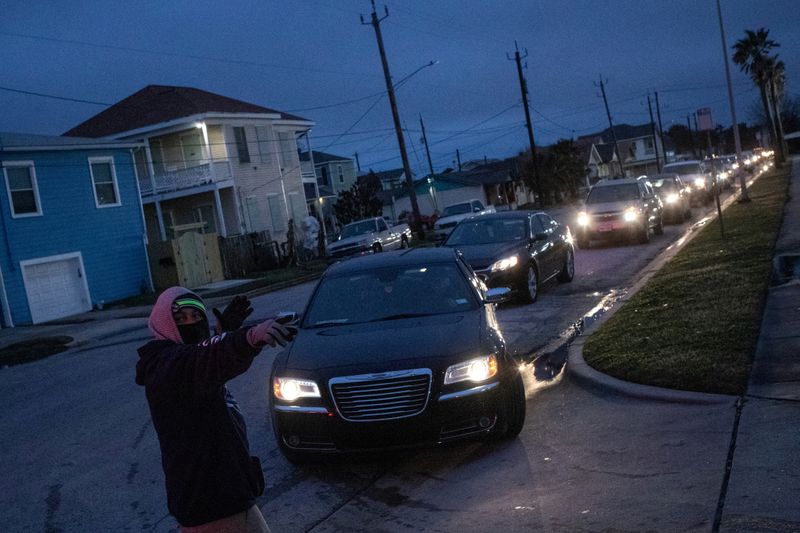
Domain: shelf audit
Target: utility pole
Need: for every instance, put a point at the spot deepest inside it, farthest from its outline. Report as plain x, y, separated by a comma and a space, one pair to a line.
458, 158
523, 87
358, 163
691, 134
425, 140
660, 130
375, 22
611, 124
737, 140
653, 130
697, 132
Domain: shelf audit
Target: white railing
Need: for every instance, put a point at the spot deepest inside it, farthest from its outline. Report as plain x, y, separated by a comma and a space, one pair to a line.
186, 178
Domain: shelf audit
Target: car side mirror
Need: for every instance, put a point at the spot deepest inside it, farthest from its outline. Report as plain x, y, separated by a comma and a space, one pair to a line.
497, 295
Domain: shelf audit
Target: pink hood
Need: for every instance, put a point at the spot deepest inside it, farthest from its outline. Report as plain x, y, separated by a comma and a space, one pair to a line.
161, 322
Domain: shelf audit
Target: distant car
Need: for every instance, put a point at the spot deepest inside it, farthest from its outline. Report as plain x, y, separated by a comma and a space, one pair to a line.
674, 195
697, 176
396, 349
371, 235
453, 214
627, 207
516, 249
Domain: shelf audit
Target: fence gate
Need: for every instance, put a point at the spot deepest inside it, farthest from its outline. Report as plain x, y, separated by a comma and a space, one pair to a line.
197, 259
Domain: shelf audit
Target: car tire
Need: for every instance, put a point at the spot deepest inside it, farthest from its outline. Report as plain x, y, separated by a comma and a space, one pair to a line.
377, 248
529, 285
403, 242
659, 229
511, 418
568, 270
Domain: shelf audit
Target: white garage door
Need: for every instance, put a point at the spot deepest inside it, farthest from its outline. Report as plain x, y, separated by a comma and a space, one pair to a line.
56, 288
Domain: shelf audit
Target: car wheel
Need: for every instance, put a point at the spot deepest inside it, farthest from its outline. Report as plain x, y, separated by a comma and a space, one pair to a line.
403, 242
529, 288
377, 248
568, 271
512, 413
659, 229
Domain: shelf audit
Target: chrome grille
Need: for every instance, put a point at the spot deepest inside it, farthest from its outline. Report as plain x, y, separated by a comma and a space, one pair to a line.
384, 396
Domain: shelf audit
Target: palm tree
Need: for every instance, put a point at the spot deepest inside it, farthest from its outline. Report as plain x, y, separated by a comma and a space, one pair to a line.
777, 78
752, 56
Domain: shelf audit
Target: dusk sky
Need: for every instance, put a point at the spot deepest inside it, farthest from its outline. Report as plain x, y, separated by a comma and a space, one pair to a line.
307, 57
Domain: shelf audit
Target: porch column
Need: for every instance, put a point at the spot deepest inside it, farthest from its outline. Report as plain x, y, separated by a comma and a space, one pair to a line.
160, 216
220, 217
149, 157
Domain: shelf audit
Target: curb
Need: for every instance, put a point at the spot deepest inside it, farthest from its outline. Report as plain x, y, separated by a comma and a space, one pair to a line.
580, 370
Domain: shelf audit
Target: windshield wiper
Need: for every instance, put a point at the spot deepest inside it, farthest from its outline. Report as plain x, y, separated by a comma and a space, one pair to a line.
399, 316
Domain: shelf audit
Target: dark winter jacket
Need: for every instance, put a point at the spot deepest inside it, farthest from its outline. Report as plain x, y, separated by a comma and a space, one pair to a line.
204, 449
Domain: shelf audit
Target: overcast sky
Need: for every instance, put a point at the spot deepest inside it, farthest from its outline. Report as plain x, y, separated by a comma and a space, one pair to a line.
297, 56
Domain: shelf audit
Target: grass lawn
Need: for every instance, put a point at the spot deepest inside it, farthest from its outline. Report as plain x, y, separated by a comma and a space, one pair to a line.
695, 325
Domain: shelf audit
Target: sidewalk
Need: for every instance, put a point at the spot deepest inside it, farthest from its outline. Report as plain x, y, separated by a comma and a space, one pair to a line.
764, 489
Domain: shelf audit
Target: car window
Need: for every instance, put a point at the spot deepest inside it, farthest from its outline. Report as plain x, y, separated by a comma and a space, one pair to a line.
457, 209
548, 224
488, 230
382, 225
390, 293
613, 193
477, 206
536, 225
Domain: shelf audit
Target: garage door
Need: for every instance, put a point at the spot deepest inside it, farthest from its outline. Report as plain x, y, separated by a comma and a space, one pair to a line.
55, 289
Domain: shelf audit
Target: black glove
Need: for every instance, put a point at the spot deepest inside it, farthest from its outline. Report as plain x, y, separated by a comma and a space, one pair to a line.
234, 315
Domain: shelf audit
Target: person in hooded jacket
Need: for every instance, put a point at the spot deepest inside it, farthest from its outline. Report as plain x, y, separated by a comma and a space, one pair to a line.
211, 479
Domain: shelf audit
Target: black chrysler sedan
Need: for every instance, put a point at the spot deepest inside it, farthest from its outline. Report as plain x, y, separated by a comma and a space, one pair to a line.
396, 349
516, 249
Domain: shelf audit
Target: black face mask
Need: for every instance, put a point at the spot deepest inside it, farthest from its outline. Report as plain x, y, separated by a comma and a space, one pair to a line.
194, 333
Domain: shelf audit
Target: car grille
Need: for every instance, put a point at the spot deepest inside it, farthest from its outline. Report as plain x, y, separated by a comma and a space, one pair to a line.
385, 396
615, 216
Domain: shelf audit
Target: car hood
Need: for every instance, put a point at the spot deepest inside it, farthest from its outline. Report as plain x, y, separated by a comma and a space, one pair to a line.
349, 241
480, 256
452, 219
609, 207
388, 345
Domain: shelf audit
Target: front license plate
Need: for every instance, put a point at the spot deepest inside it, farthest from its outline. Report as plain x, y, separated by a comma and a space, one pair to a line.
607, 226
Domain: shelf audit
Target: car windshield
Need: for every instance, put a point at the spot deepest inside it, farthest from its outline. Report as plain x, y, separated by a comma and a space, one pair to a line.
613, 193
358, 228
663, 185
390, 293
458, 209
486, 231
684, 169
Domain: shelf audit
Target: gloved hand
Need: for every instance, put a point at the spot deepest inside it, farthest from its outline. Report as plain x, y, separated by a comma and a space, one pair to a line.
270, 332
234, 314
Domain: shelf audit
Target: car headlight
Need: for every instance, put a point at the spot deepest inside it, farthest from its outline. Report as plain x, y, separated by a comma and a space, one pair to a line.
747, 161
672, 198
504, 263
291, 389
475, 370
699, 183
723, 175
735, 166
583, 219
630, 215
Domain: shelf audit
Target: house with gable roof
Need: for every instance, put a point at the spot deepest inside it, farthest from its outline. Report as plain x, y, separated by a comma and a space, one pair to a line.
637, 148
209, 162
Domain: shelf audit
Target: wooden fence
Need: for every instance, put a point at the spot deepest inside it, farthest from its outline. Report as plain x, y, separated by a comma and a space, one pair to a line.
248, 253
192, 260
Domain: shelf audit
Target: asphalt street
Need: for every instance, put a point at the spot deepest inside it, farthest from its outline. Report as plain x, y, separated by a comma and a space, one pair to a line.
80, 452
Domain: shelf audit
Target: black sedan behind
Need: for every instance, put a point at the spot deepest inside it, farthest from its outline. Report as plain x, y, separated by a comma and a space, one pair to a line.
394, 350
516, 249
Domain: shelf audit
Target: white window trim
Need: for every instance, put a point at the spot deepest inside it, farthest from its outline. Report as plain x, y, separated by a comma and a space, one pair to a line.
110, 161
340, 173
34, 183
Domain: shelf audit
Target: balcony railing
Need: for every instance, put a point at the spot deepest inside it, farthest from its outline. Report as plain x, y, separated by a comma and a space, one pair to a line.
186, 178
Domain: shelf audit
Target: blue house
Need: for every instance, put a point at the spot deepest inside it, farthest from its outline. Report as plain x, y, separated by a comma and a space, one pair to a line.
72, 233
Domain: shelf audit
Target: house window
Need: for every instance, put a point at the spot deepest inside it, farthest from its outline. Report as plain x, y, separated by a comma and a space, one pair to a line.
340, 173
277, 214
649, 148
324, 175
286, 151
22, 190
241, 145
104, 179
